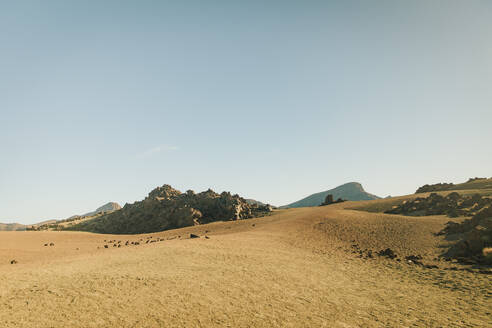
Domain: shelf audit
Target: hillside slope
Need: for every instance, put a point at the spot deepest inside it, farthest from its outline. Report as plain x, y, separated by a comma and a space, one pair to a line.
471, 184
349, 191
294, 268
109, 207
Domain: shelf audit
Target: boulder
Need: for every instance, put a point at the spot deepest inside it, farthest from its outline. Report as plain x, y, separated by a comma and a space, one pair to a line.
388, 252
475, 237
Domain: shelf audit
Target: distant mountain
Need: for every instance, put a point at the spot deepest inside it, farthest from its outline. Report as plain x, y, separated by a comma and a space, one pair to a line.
109, 207
253, 201
106, 208
12, 227
258, 203
348, 191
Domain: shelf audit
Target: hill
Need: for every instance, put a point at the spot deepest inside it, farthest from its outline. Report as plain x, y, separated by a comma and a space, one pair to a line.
23, 227
256, 202
109, 207
74, 219
167, 208
349, 191
471, 184
12, 227
302, 267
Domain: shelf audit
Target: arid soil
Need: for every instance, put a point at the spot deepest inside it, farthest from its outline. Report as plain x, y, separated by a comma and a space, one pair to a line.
306, 267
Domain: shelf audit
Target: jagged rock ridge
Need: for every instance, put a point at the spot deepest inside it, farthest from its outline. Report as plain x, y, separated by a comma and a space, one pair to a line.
167, 208
453, 205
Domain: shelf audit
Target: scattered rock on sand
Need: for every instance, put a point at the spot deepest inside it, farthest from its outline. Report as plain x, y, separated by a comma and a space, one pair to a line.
388, 252
194, 236
415, 259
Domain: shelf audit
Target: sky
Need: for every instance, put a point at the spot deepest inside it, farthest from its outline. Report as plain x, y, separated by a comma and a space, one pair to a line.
274, 100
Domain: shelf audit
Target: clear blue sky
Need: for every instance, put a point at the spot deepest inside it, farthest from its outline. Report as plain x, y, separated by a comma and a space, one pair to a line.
105, 100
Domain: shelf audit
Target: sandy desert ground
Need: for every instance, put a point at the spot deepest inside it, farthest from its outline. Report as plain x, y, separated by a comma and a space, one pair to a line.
295, 268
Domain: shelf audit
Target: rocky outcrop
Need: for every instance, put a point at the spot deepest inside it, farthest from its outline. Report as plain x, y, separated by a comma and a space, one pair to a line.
471, 184
452, 205
435, 187
167, 208
475, 238
329, 200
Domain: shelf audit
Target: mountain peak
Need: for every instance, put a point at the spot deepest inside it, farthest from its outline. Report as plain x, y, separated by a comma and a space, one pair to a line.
347, 191
164, 192
108, 207
354, 185
111, 206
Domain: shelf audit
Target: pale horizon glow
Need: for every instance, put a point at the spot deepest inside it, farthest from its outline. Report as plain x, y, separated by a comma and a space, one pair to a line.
273, 100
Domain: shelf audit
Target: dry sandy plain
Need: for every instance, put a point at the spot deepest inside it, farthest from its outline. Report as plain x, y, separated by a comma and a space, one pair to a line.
295, 268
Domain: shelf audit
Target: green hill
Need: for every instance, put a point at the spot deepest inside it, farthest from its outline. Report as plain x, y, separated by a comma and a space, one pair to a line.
348, 191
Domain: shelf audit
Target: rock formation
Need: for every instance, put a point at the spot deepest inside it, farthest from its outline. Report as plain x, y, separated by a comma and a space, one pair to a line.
167, 208
452, 205
472, 183
435, 187
329, 200
475, 236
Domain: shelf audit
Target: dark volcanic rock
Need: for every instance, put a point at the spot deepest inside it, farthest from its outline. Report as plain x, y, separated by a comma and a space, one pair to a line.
388, 252
416, 259
435, 187
167, 208
475, 237
329, 200
453, 205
